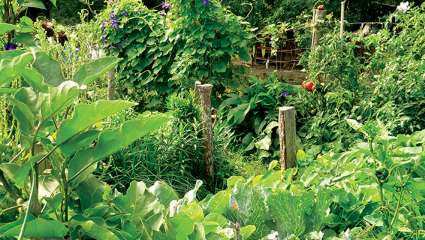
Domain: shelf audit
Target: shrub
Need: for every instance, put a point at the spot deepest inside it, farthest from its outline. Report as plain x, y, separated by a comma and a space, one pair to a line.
335, 70
194, 42
137, 34
252, 111
398, 79
208, 38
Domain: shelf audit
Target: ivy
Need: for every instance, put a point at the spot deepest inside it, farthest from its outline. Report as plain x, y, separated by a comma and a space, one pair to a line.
186, 42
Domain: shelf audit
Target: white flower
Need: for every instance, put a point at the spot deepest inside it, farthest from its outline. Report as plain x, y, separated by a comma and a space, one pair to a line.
273, 236
227, 232
403, 7
347, 234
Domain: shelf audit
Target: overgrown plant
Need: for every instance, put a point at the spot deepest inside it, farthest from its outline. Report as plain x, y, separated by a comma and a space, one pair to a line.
138, 35
384, 179
174, 154
208, 39
59, 144
398, 73
252, 113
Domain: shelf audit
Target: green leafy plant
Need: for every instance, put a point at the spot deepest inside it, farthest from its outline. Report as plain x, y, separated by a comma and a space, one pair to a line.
397, 97
192, 42
59, 150
377, 175
174, 154
208, 38
11, 9
147, 54
252, 113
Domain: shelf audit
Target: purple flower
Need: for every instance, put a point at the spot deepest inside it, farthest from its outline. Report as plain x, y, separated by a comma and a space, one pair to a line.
165, 6
114, 20
205, 2
284, 94
125, 14
10, 46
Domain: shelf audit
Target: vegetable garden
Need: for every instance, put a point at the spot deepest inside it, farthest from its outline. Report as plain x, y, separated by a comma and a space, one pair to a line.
130, 119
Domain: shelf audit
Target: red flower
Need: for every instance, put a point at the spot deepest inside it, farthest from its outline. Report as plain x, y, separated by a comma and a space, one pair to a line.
309, 86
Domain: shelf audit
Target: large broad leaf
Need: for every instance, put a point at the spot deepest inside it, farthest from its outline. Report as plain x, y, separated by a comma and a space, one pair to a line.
49, 68
34, 4
11, 62
90, 192
193, 210
247, 231
8, 91
237, 115
80, 142
33, 78
110, 141
25, 39
93, 229
143, 207
5, 27
86, 115
92, 71
58, 98
163, 192
26, 109
23, 172
213, 221
219, 203
39, 228
181, 226
25, 25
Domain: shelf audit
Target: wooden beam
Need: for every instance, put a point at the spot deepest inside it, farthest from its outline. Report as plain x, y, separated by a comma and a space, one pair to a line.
287, 137
204, 91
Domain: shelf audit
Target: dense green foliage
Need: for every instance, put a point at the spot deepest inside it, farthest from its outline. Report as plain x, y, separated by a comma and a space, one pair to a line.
209, 37
398, 96
147, 54
365, 78
194, 42
174, 154
251, 112
263, 12
51, 138
76, 166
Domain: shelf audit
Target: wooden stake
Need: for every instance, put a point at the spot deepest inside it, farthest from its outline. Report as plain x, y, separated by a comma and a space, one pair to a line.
318, 14
204, 91
341, 30
287, 135
111, 87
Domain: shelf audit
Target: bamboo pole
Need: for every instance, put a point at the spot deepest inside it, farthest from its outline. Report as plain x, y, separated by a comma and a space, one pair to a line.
204, 91
287, 136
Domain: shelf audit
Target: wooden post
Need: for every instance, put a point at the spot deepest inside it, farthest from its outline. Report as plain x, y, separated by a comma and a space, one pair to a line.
287, 135
111, 87
318, 14
204, 91
341, 30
